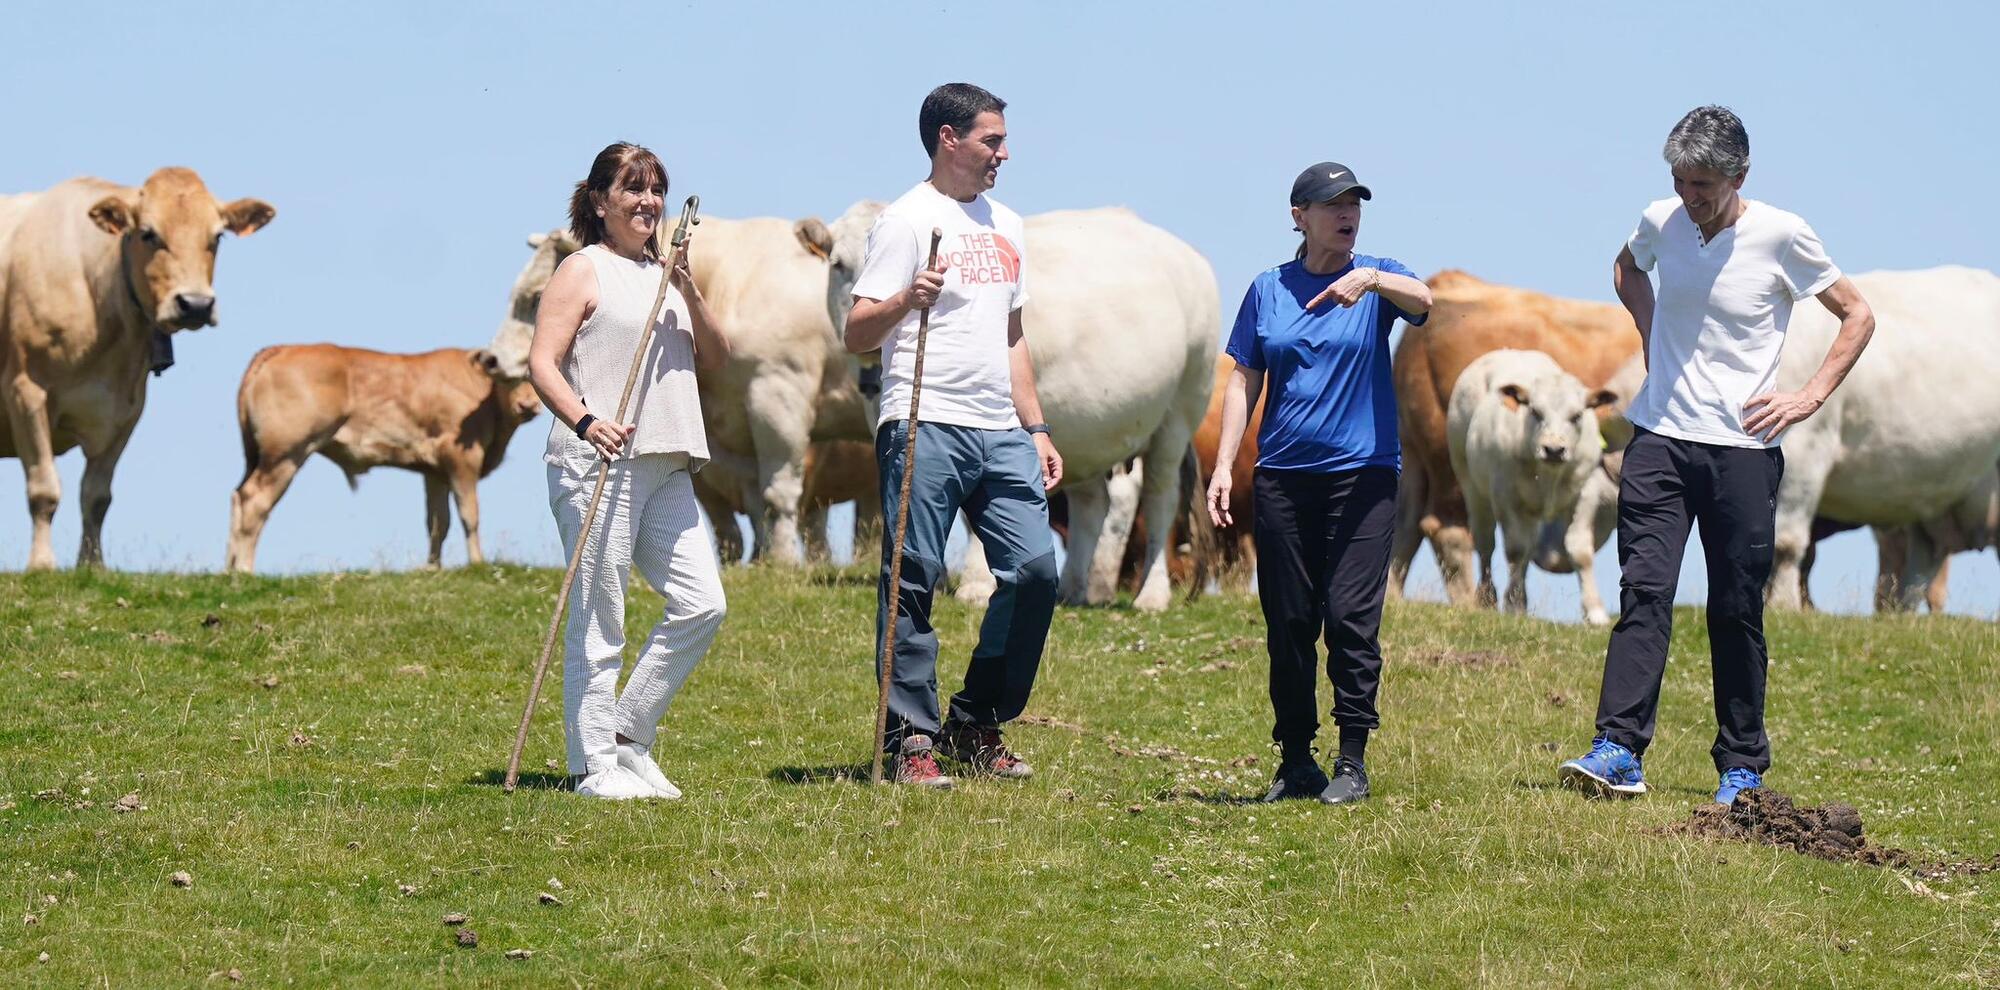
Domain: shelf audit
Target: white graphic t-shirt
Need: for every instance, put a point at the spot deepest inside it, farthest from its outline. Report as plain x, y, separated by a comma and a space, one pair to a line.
967, 381
1719, 315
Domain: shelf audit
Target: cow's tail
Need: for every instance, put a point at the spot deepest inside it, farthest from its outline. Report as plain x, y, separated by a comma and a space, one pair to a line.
245, 421
1203, 543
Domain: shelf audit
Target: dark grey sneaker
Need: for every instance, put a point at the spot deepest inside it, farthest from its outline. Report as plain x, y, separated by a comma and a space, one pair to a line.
981, 748
1297, 780
1349, 784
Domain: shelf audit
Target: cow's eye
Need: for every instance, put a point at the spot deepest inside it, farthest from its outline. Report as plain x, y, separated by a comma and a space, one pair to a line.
151, 237
215, 242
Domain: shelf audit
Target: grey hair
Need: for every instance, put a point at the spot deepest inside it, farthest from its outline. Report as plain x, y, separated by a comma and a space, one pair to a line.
1709, 137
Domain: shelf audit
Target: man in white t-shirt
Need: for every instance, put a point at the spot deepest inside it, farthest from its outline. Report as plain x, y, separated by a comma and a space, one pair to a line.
981, 444
1709, 419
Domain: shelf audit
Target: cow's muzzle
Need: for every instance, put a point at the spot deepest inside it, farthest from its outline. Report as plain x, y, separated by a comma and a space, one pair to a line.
870, 381
191, 310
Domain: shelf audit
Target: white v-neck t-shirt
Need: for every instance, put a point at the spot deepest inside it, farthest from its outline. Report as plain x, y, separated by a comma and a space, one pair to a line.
1719, 315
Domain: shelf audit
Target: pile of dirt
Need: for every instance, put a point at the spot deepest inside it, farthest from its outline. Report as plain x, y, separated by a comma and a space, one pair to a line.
1831, 832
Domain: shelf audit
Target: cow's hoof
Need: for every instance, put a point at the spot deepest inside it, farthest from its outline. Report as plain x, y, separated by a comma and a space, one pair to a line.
972, 595
1597, 619
1153, 600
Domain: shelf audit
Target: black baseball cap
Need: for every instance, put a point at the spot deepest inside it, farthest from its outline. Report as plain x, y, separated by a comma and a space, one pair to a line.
1323, 182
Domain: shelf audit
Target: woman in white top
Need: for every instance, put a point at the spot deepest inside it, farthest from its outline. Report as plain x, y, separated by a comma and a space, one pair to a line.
586, 329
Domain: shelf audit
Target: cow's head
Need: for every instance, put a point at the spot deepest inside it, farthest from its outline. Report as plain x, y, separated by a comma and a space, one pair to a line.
169, 230
1558, 418
517, 329
518, 401
844, 245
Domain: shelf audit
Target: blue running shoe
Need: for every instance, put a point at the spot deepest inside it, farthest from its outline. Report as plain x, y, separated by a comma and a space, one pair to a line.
1736, 779
1610, 770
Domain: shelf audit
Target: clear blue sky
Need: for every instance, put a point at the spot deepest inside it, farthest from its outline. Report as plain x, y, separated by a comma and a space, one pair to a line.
409, 149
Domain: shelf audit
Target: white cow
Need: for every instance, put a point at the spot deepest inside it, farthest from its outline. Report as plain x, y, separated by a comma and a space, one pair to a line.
1913, 431
1901, 583
1123, 321
1899, 447
1596, 514
788, 381
1524, 440
1912, 559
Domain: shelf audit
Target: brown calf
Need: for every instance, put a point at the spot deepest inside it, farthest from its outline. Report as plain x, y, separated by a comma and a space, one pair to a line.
446, 415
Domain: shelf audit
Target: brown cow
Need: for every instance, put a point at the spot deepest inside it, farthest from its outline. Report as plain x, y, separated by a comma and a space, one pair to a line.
1237, 554
835, 471
446, 415
1469, 318
93, 277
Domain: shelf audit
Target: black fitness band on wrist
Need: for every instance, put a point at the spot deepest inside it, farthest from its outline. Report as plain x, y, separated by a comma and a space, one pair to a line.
583, 425
1041, 428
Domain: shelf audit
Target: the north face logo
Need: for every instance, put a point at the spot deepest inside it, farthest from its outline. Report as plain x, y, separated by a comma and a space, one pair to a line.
983, 258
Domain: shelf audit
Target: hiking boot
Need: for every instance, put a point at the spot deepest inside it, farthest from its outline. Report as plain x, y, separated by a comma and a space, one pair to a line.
1349, 784
916, 764
980, 748
1303, 779
1735, 780
1610, 770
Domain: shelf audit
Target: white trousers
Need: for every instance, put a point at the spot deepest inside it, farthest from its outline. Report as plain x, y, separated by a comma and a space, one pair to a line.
648, 518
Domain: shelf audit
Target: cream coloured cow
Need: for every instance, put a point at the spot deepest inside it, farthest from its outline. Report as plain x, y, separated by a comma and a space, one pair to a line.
1123, 323
93, 277
1524, 440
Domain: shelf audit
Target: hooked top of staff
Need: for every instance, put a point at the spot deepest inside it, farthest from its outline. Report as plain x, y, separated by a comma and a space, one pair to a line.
689, 218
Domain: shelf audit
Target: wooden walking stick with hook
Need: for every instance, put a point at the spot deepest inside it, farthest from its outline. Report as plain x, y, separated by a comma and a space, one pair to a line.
888, 659
688, 219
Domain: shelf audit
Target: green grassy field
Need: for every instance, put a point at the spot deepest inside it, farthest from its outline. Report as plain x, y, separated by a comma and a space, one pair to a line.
321, 755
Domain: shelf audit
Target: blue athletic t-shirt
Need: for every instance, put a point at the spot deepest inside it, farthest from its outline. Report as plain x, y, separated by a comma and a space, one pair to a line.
1329, 403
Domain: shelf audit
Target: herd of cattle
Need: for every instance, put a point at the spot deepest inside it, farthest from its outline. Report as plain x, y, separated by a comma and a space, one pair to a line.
1511, 401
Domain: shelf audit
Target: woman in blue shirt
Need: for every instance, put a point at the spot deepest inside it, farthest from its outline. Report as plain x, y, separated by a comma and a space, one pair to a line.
1325, 489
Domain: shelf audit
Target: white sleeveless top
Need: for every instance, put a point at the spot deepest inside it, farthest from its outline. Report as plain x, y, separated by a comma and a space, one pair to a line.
664, 403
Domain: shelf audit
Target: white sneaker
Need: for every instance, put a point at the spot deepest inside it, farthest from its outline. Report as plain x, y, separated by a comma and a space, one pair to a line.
635, 758
616, 784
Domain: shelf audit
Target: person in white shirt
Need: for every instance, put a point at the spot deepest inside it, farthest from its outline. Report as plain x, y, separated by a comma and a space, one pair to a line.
1709, 420
981, 443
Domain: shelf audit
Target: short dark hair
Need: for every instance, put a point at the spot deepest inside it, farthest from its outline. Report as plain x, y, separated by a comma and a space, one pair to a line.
606, 169
953, 105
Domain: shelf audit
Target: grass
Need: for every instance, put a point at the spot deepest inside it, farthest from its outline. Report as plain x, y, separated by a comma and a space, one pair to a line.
305, 746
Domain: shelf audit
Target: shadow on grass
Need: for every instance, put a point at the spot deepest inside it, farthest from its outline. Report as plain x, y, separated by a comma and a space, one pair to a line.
1558, 785
536, 780
837, 577
856, 773
1219, 798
